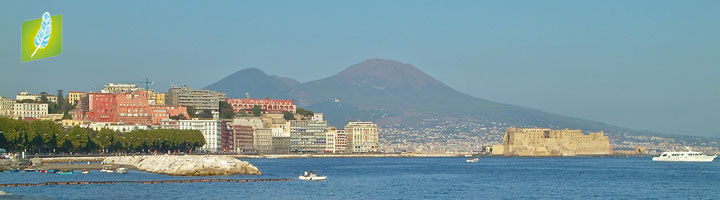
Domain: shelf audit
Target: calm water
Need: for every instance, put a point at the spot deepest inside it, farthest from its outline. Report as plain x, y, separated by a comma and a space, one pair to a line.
412, 178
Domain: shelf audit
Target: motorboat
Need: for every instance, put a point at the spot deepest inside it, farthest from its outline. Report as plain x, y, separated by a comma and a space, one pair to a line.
85, 171
683, 156
50, 171
14, 170
65, 172
122, 170
472, 160
29, 170
311, 176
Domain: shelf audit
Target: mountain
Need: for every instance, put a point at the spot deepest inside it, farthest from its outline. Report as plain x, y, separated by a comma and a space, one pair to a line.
255, 82
390, 92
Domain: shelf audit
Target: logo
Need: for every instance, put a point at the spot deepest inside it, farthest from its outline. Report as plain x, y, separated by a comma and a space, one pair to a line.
41, 38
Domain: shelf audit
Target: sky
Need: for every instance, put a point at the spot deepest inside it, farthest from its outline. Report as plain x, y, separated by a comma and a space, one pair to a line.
647, 65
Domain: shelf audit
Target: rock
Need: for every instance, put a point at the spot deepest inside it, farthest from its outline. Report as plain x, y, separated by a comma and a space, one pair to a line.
4, 193
188, 165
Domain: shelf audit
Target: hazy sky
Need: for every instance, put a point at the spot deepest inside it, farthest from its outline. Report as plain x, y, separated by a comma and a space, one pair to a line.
652, 65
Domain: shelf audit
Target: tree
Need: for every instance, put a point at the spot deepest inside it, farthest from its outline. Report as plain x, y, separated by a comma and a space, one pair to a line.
304, 112
177, 117
288, 116
226, 110
257, 111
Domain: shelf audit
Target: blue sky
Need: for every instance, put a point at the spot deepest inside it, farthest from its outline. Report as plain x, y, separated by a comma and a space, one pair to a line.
651, 65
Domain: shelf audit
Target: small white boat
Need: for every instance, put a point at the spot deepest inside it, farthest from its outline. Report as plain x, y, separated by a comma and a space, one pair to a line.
122, 170
472, 160
684, 156
85, 171
109, 171
103, 171
311, 176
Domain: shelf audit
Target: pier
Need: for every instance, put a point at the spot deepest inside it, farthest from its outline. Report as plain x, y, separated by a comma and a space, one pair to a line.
145, 182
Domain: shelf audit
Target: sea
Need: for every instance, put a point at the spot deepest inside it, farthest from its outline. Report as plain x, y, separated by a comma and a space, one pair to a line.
407, 178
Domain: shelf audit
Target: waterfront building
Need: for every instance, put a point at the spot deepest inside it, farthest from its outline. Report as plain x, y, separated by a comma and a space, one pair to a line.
280, 145
307, 136
102, 107
227, 136
74, 97
243, 140
34, 110
267, 105
6, 107
35, 97
117, 88
262, 140
210, 129
198, 99
362, 137
330, 139
340, 141
548, 142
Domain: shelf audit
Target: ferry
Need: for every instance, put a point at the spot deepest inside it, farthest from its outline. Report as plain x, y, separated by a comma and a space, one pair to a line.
683, 156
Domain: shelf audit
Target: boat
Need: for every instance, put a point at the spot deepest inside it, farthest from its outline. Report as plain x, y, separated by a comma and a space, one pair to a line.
65, 172
14, 170
50, 171
684, 156
122, 170
85, 171
472, 160
311, 176
29, 170
109, 171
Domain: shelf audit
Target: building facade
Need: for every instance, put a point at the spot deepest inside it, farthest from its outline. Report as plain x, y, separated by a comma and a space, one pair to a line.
307, 136
341, 141
210, 129
548, 142
102, 107
362, 137
227, 136
133, 107
6, 107
160, 99
266, 105
117, 88
74, 97
198, 99
34, 110
243, 140
262, 140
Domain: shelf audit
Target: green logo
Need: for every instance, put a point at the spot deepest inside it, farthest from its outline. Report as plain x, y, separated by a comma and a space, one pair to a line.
41, 38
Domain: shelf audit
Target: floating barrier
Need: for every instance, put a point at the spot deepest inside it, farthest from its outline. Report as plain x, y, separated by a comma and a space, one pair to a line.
145, 182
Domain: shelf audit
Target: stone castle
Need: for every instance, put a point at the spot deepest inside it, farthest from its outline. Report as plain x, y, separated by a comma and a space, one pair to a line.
548, 142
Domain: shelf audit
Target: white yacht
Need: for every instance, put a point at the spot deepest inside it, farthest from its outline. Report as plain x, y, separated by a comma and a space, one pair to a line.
684, 156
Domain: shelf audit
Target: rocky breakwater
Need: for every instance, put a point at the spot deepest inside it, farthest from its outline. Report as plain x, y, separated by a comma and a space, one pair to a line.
188, 165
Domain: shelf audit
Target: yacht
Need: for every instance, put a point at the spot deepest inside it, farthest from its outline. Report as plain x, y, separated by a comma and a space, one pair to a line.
683, 156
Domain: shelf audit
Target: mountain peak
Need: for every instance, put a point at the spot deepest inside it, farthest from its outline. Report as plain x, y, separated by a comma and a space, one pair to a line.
386, 71
255, 82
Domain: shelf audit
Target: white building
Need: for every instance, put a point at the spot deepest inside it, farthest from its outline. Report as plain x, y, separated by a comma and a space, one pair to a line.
318, 117
35, 97
262, 140
362, 137
210, 129
6, 107
330, 140
35, 110
117, 88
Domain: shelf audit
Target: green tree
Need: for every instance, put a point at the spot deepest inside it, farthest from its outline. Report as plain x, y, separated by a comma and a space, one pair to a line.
178, 117
226, 110
288, 116
304, 112
257, 111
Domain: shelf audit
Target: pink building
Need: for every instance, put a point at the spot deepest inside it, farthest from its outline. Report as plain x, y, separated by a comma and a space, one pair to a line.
267, 105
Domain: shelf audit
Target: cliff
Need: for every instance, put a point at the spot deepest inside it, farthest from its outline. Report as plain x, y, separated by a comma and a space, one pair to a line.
188, 165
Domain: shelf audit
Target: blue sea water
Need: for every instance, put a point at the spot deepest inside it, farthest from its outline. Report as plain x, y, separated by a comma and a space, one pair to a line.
410, 178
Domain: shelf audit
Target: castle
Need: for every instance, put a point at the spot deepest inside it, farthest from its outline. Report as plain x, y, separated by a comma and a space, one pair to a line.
548, 142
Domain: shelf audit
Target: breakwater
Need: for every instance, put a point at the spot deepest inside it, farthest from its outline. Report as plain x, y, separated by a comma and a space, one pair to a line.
144, 182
